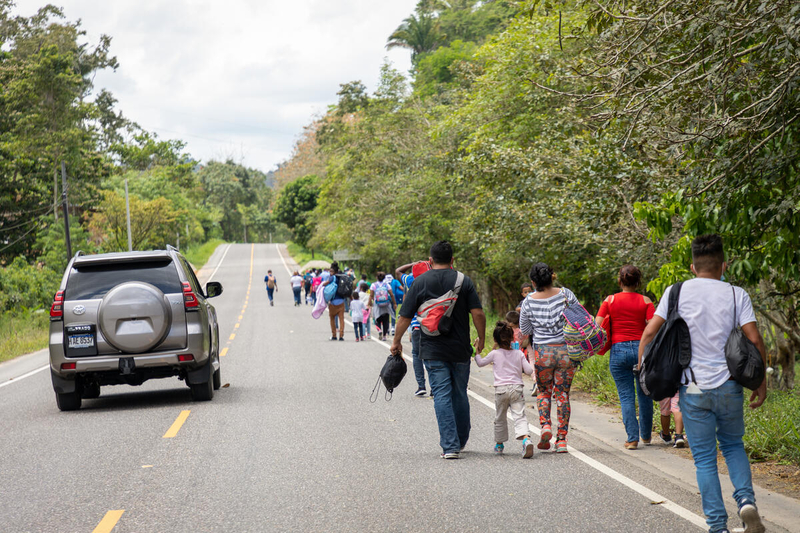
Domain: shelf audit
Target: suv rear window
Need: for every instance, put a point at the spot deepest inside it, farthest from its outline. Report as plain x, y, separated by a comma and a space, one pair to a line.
88, 282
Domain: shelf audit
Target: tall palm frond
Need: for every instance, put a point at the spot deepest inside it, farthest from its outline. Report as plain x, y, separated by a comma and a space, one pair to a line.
418, 33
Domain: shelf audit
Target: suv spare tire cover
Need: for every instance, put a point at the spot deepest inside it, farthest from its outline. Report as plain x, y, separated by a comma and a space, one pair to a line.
134, 317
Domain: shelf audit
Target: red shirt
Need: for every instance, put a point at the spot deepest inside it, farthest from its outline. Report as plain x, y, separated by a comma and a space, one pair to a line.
628, 313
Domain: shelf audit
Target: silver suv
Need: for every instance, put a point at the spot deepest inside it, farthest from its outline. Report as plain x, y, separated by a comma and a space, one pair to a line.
124, 318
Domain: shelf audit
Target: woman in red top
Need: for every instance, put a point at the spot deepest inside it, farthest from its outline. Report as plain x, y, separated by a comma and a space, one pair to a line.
629, 312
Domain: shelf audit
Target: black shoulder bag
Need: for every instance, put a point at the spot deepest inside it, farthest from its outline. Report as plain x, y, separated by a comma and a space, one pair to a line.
743, 358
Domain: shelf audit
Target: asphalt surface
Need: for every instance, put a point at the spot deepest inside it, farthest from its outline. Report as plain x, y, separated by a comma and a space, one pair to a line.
293, 444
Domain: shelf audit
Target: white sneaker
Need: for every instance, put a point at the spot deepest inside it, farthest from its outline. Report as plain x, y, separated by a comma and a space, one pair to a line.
752, 520
450, 455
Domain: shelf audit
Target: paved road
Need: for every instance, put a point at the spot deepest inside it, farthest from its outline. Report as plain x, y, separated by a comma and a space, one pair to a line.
293, 444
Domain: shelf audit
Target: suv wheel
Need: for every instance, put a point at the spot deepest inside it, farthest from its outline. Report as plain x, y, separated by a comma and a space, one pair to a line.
69, 401
217, 379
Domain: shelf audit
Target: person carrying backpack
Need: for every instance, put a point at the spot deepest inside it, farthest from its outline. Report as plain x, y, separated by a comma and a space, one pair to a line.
406, 273
272, 286
446, 356
711, 401
541, 317
382, 303
336, 305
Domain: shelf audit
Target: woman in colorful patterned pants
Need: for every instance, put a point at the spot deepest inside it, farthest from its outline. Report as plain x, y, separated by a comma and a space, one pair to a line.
541, 320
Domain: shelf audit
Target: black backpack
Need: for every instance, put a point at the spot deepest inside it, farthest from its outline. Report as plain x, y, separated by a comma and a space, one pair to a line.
392, 373
668, 355
344, 286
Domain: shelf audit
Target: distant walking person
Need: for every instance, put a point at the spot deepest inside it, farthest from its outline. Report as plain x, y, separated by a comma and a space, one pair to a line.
628, 313
272, 286
416, 361
336, 306
357, 309
446, 357
297, 287
713, 405
382, 303
307, 279
541, 318
509, 365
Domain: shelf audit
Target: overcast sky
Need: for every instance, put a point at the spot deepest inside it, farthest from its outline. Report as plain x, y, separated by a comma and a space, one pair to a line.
236, 78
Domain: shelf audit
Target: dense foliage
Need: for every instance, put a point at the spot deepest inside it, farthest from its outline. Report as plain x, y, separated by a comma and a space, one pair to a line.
587, 134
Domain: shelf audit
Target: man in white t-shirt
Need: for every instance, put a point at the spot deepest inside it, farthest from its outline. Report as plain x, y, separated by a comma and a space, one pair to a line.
713, 407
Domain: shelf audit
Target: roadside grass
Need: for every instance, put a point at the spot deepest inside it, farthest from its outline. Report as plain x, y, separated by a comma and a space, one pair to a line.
303, 256
198, 255
22, 333
595, 378
773, 430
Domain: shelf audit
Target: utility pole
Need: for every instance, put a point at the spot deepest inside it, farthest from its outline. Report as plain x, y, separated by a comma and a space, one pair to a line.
55, 194
128, 216
66, 210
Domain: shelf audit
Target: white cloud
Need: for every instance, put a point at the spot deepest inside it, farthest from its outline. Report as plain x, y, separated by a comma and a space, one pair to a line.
236, 78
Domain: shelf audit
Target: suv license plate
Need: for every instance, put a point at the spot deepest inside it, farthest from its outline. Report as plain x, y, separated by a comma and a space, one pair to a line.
80, 341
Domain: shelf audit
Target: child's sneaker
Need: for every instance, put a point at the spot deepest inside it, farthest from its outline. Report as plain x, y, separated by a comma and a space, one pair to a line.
357, 339
665, 437
561, 446
527, 448
499, 447
680, 442
450, 455
544, 441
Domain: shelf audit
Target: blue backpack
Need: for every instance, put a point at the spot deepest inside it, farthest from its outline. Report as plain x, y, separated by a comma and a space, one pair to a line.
329, 292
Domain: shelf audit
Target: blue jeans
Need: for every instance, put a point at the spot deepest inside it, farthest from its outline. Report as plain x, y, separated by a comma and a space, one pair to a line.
624, 356
711, 416
296, 291
358, 327
270, 293
419, 368
450, 401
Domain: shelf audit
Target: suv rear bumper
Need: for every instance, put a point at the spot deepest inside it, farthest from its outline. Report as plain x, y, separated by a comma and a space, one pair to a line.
105, 370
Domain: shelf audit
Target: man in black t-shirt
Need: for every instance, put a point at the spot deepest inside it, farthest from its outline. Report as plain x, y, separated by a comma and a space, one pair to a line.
447, 358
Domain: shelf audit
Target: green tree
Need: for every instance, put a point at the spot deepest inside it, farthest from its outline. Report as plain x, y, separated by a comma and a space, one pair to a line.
295, 203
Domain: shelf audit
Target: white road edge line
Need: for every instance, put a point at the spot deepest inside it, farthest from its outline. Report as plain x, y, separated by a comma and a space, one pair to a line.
653, 496
23, 376
219, 264
278, 248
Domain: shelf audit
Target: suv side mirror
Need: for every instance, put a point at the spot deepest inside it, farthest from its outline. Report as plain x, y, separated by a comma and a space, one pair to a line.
213, 288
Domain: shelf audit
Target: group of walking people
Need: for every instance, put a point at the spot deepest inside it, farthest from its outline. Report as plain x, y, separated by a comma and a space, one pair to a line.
709, 401
531, 341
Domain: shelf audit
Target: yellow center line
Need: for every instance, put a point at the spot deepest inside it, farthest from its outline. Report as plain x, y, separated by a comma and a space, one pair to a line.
236, 326
173, 430
233, 336
224, 352
109, 521
240, 316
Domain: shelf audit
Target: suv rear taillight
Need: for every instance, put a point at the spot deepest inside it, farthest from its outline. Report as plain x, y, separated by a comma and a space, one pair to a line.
57, 309
189, 298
